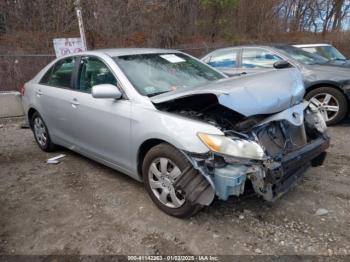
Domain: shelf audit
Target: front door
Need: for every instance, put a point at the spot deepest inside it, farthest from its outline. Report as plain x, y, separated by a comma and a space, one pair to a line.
102, 126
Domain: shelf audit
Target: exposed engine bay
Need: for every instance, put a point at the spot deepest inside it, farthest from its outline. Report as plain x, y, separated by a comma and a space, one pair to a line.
206, 108
290, 142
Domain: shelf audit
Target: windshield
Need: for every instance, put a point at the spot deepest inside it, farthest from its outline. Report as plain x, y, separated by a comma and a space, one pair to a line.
303, 56
153, 74
331, 53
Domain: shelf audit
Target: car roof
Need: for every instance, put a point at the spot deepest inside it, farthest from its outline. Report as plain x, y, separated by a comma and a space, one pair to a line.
311, 45
236, 47
243, 46
130, 51
240, 46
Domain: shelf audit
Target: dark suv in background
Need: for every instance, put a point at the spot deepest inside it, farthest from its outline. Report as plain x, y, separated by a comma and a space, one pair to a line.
327, 51
328, 86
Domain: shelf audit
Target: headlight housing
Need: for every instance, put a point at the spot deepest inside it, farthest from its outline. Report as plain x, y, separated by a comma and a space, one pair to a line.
233, 147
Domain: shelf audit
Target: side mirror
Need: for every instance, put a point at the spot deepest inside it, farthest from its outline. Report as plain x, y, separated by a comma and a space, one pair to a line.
106, 91
281, 64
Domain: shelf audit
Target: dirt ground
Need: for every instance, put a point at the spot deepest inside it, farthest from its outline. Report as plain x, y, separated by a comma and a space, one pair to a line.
82, 207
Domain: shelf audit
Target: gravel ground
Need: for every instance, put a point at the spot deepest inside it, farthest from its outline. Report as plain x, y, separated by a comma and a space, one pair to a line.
82, 207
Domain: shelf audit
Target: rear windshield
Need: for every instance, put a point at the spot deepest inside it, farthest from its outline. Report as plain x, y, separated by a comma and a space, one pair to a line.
153, 74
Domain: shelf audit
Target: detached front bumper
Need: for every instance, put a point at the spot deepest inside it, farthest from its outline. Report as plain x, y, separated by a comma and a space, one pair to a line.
292, 141
272, 178
281, 176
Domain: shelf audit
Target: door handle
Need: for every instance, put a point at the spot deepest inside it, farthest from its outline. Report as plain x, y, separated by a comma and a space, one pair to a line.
75, 102
243, 73
39, 93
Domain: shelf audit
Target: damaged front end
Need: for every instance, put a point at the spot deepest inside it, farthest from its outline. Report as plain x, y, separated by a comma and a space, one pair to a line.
270, 136
271, 152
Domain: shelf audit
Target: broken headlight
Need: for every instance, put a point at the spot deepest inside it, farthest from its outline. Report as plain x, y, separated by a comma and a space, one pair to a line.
233, 147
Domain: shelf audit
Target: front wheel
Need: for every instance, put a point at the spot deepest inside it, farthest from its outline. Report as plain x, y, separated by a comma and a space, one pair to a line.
331, 102
162, 166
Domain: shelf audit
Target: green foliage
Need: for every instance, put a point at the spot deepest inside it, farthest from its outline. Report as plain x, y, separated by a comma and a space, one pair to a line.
231, 37
219, 18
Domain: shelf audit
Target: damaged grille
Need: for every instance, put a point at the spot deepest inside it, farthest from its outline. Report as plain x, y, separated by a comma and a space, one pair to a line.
280, 137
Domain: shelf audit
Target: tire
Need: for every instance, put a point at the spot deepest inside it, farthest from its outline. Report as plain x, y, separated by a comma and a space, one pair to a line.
337, 99
40, 131
154, 159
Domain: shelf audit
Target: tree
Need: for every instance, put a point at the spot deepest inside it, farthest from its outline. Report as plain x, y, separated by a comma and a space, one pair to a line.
218, 10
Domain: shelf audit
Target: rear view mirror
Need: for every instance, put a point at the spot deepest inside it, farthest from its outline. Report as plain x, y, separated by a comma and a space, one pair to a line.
281, 64
106, 91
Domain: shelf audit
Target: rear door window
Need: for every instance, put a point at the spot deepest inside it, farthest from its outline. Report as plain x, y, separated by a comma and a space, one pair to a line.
223, 58
60, 75
258, 58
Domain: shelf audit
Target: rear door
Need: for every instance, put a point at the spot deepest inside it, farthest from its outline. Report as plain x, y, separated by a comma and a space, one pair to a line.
224, 60
54, 94
101, 126
255, 60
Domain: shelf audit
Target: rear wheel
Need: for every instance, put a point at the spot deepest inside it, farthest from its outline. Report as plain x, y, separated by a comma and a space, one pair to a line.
332, 103
162, 166
41, 133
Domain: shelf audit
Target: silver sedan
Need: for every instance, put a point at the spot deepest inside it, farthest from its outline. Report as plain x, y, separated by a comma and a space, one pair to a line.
183, 128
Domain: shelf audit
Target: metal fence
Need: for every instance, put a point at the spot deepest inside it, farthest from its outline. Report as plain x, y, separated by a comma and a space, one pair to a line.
16, 69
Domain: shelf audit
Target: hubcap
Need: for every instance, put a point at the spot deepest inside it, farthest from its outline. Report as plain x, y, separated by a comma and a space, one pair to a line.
327, 104
40, 131
161, 176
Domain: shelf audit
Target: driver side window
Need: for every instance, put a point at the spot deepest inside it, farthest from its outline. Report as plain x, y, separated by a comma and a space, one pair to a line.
258, 58
93, 72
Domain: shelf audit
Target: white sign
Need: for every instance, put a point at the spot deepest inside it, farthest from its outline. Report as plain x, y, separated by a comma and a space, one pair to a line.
66, 46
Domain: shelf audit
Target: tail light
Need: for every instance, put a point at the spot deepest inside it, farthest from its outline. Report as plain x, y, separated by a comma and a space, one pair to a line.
23, 89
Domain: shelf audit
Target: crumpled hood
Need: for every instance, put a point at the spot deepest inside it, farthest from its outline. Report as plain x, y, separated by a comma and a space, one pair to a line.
261, 93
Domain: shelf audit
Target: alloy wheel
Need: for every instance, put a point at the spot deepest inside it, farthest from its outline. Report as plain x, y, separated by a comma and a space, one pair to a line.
162, 175
40, 132
327, 104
